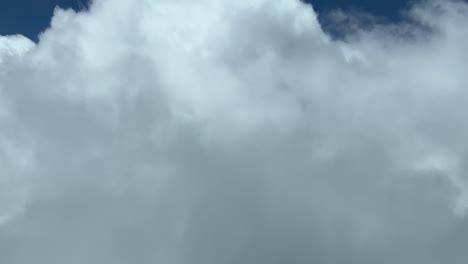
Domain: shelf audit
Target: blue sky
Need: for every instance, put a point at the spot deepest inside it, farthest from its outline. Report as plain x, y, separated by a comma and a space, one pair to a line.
29, 17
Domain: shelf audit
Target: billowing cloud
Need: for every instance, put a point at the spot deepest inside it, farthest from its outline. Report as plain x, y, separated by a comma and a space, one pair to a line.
207, 131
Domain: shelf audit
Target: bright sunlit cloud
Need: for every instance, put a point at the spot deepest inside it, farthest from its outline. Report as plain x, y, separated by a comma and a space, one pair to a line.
208, 131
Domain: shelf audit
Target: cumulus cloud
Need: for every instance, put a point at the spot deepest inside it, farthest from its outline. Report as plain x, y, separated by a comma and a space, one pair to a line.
207, 131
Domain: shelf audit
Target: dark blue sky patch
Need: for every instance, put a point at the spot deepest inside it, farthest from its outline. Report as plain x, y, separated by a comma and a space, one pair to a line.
381, 8
340, 18
30, 17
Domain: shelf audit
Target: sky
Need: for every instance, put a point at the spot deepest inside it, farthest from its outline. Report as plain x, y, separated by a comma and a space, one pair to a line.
266, 132
30, 17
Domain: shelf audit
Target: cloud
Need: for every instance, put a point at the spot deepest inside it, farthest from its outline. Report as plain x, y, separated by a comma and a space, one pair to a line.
234, 132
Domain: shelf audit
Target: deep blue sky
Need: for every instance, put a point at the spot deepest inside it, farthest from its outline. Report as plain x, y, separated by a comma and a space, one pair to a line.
29, 17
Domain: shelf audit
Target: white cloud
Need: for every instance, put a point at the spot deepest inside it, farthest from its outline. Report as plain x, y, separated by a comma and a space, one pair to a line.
234, 132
